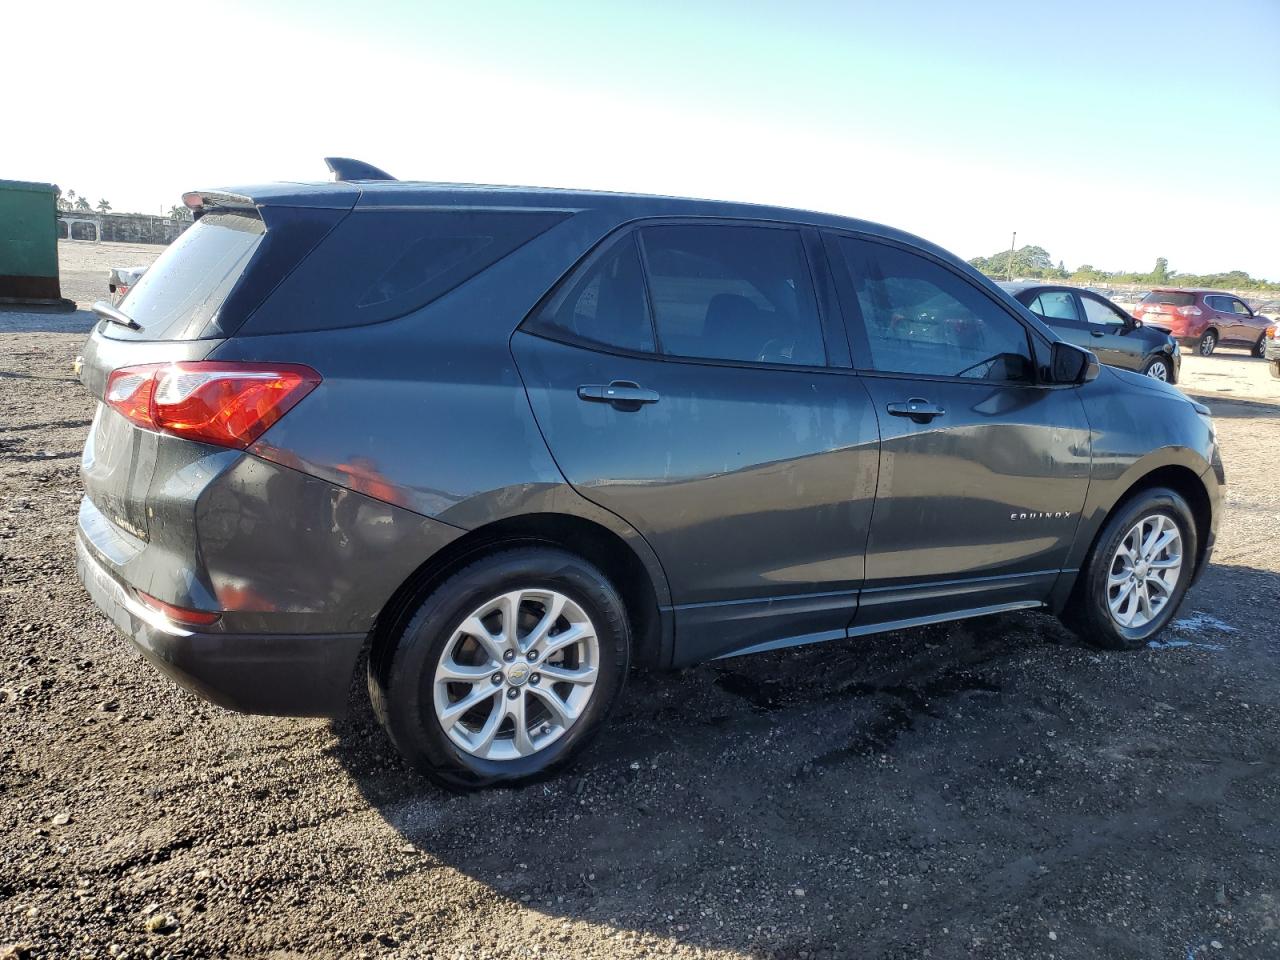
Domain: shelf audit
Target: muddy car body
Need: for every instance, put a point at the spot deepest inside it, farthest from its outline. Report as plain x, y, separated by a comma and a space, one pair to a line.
529, 437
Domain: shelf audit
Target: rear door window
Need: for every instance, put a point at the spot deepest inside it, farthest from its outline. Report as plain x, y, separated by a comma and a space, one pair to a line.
730, 292
921, 318
604, 303
1173, 299
183, 290
1055, 305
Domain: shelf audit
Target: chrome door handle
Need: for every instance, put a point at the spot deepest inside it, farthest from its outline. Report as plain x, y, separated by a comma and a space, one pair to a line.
919, 410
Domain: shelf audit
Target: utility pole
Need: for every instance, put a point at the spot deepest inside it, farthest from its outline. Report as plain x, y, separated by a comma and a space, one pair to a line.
1012, 244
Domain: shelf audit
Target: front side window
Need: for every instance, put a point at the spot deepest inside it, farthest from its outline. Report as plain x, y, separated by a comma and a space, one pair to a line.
605, 303
1102, 313
1055, 305
733, 293
1238, 307
920, 318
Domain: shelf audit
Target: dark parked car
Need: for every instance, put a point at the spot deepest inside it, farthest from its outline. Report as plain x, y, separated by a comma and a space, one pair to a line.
1204, 319
1090, 320
513, 441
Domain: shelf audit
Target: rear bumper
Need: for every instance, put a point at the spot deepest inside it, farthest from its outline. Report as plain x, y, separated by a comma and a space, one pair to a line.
281, 674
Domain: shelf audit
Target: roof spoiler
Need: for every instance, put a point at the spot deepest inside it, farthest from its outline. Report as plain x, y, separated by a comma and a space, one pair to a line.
344, 169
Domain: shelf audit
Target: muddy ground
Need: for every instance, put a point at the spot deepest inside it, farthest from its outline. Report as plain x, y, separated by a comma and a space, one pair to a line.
988, 789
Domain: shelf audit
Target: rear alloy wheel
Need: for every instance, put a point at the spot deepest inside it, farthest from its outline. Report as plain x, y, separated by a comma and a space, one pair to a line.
1208, 343
1158, 369
506, 670
1137, 573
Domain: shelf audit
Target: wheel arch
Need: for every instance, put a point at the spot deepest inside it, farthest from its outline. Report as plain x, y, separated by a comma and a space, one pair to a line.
1180, 478
643, 590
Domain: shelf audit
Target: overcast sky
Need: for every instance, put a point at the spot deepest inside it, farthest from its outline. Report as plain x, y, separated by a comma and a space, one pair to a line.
1107, 131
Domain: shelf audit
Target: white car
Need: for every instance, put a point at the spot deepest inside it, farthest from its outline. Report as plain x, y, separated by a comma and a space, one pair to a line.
121, 279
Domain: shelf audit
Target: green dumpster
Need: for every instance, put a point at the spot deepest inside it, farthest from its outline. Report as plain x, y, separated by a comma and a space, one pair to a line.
28, 242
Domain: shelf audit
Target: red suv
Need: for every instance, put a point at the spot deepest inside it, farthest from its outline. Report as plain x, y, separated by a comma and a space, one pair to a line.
1204, 318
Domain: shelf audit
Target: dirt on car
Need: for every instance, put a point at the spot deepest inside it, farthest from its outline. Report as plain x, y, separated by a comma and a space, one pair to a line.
987, 789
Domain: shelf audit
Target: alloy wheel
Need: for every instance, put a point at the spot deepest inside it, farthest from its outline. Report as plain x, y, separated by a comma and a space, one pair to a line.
1144, 571
516, 674
1158, 370
1207, 344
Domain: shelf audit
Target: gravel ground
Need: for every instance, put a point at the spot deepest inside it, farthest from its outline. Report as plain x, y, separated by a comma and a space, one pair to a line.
987, 789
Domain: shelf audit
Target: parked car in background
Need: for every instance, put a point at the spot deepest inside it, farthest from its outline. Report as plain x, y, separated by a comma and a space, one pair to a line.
1090, 320
120, 280
1203, 318
513, 440
1272, 348
1269, 310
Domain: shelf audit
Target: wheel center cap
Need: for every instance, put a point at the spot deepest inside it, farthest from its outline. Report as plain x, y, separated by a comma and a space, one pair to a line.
518, 673
1142, 569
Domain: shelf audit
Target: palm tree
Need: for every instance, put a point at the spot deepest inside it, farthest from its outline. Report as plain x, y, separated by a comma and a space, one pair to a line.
104, 206
83, 204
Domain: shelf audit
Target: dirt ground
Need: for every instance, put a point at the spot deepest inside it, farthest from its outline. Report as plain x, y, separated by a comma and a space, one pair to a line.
983, 790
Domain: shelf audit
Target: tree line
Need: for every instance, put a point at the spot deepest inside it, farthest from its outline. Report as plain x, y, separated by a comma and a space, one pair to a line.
1032, 262
69, 202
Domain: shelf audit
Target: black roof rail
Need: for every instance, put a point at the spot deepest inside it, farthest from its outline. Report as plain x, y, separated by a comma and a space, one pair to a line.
344, 168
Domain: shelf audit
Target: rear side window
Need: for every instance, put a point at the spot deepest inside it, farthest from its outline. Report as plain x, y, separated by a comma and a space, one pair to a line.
184, 289
920, 318
1055, 305
605, 304
380, 264
733, 293
1173, 299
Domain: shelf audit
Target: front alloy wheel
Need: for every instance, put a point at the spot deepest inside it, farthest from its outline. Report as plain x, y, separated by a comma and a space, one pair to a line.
1144, 571
1158, 369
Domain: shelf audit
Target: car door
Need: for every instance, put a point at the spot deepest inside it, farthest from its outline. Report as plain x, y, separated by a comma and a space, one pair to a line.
1222, 317
681, 379
1248, 327
983, 468
1109, 329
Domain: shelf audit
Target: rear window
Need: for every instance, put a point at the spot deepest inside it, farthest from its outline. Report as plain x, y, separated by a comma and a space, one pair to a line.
1172, 298
183, 290
380, 264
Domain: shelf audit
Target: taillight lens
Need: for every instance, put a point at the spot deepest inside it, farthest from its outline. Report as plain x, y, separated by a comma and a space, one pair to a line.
223, 403
191, 618
1188, 311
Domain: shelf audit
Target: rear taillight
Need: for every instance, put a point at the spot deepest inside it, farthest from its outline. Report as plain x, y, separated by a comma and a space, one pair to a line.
224, 403
1188, 311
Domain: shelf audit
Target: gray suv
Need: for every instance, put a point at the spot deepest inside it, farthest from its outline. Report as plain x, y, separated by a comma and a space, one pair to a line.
512, 441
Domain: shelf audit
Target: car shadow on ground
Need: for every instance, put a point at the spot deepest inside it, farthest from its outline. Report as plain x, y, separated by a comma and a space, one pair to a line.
1238, 408
26, 320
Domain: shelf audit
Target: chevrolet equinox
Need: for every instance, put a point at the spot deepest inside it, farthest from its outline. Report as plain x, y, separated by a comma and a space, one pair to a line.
511, 441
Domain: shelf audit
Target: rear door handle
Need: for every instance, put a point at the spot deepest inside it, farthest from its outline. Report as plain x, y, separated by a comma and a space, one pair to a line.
623, 394
919, 410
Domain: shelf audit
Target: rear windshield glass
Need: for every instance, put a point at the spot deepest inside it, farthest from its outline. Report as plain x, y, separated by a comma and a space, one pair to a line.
183, 290
1174, 299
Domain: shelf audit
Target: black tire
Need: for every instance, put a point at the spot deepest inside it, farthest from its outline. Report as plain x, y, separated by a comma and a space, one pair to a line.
1207, 343
1163, 361
1260, 348
1088, 614
400, 684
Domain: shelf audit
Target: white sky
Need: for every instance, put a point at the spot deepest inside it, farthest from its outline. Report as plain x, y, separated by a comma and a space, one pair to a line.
204, 94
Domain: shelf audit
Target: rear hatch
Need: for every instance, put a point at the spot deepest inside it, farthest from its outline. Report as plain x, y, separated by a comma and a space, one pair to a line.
191, 299
1165, 308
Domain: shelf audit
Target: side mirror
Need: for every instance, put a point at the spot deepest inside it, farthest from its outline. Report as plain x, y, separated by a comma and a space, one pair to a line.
1071, 364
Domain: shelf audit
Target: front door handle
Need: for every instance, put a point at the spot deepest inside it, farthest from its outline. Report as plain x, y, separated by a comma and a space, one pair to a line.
623, 394
1097, 333
921, 411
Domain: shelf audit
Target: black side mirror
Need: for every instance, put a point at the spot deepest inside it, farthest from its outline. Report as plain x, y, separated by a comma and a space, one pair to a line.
1071, 364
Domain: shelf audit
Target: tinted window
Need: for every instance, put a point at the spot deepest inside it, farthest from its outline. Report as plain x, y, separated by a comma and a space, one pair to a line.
1217, 303
380, 264
1055, 305
1098, 312
1238, 307
733, 293
921, 318
183, 290
605, 303
1173, 299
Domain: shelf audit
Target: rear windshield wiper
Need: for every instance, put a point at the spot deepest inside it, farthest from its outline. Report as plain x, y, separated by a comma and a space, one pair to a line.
107, 312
